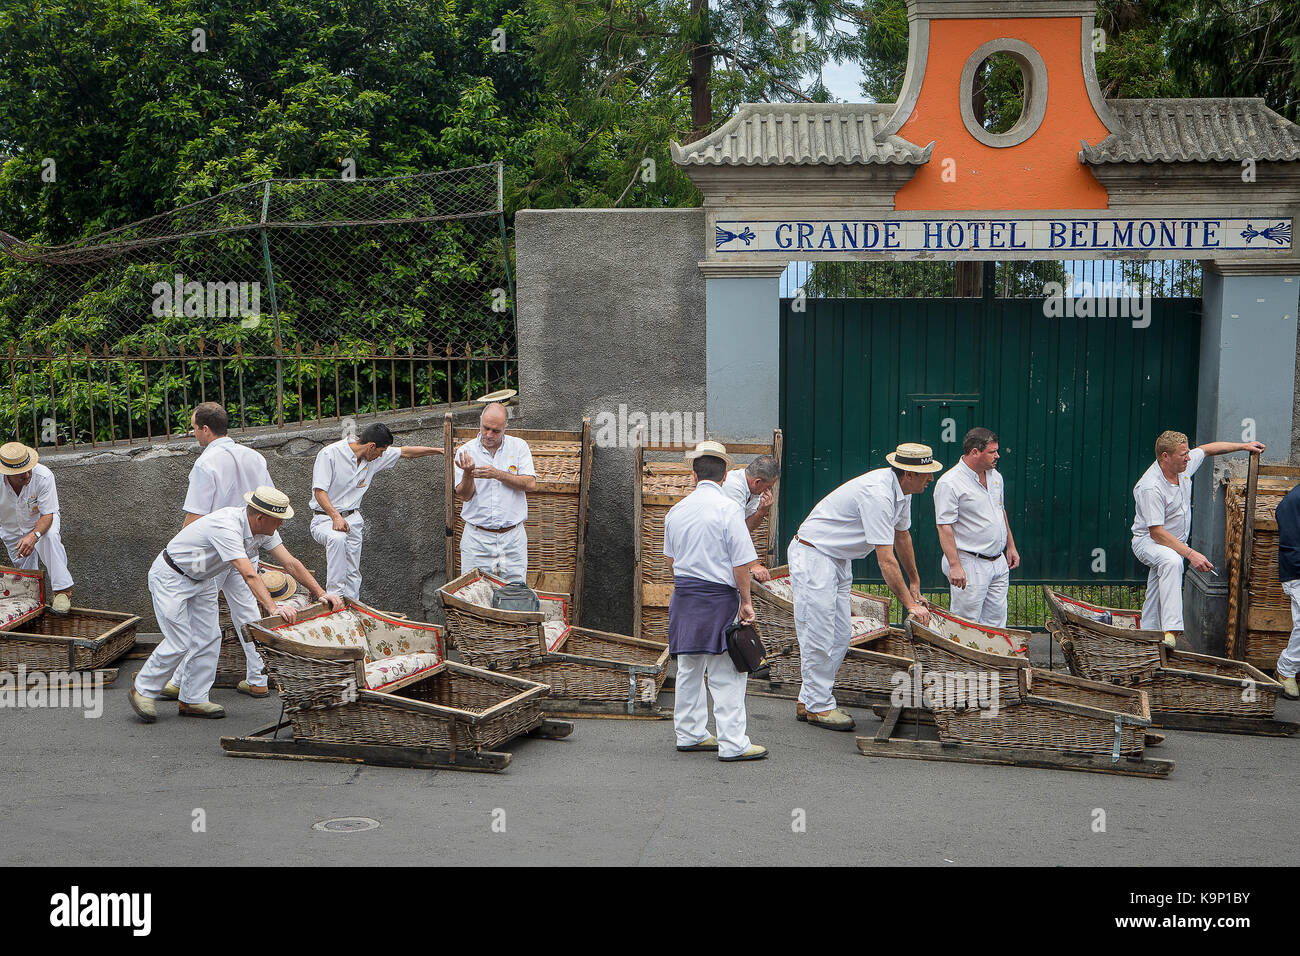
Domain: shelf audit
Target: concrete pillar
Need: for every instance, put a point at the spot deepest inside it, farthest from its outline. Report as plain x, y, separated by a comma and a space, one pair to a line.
743, 343
1247, 376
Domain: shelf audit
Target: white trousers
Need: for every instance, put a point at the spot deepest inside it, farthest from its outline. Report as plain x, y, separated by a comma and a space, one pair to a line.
505, 555
691, 705
342, 554
48, 552
243, 610
187, 616
984, 598
822, 623
1288, 665
1163, 608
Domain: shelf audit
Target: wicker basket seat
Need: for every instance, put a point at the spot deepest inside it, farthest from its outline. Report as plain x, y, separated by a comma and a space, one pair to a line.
35, 638
1000, 701
1109, 644
359, 676
582, 665
1004, 641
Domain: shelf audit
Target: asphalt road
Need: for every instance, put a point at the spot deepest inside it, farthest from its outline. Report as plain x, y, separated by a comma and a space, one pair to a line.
113, 791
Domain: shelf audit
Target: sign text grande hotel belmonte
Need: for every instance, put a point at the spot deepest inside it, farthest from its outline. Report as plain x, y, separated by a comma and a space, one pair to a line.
1030, 235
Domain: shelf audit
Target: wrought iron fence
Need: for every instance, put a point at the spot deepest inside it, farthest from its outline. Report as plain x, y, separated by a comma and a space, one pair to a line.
288, 300
1172, 278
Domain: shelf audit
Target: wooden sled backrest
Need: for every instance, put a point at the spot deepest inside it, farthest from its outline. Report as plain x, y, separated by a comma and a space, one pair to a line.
1003, 641
936, 653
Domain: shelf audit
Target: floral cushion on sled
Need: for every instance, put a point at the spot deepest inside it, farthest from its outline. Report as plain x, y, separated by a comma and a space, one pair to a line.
20, 597
390, 669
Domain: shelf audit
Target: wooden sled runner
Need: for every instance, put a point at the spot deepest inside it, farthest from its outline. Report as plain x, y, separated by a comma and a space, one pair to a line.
1188, 691
360, 686
74, 648
591, 673
995, 709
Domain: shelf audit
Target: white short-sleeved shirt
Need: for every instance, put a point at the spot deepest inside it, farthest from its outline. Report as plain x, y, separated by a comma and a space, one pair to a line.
495, 504
976, 513
19, 511
706, 537
204, 548
345, 479
223, 474
859, 515
736, 487
1157, 502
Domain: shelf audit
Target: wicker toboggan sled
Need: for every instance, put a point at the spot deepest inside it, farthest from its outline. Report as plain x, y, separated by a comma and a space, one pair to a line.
591, 673
1188, 691
362, 686
79, 645
997, 709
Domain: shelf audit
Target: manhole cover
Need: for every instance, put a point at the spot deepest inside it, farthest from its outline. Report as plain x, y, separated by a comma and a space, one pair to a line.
346, 824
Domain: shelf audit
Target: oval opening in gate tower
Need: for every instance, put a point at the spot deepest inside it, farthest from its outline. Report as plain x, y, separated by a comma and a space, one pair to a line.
998, 95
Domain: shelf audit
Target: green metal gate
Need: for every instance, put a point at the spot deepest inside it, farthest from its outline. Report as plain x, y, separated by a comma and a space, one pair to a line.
1077, 404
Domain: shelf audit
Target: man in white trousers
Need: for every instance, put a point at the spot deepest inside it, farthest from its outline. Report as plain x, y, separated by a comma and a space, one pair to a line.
183, 583
344, 472
223, 473
1288, 573
710, 553
29, 520
752, 488
1162, 521
970, 512
870, 512
493, 475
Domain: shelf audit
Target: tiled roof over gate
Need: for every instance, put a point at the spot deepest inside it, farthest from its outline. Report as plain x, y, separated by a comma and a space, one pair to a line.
1196, 131
806, 134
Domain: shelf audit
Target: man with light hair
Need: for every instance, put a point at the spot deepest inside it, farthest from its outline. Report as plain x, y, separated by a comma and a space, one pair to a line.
872, 512
752, 488
183, 583
974, 532
1162, 522
493, 474
343, 473
29, 520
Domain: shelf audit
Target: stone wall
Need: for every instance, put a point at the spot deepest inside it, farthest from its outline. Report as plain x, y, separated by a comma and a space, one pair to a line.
611, 313
120, 506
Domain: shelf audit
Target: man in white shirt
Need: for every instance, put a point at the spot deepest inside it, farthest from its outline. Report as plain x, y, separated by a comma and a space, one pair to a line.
183, 582
223, 473
751, 487
710, 553
970, 511
343, 473
1162, 521
493, 475
29, 520
870, 512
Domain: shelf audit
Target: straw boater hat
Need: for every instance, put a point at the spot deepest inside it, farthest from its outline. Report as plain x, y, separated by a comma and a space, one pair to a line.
16, 458
712, 449
502, 397
279, 584
911, 456
271, 502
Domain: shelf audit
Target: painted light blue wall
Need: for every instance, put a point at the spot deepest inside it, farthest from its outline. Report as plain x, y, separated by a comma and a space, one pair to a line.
744, 357
1248, 365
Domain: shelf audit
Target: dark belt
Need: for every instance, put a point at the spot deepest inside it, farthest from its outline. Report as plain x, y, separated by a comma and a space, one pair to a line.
808, 544
495, 530
984, 556
176, 567
342, 514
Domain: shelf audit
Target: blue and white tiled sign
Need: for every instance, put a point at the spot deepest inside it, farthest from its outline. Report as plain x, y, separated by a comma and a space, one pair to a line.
1003, 235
